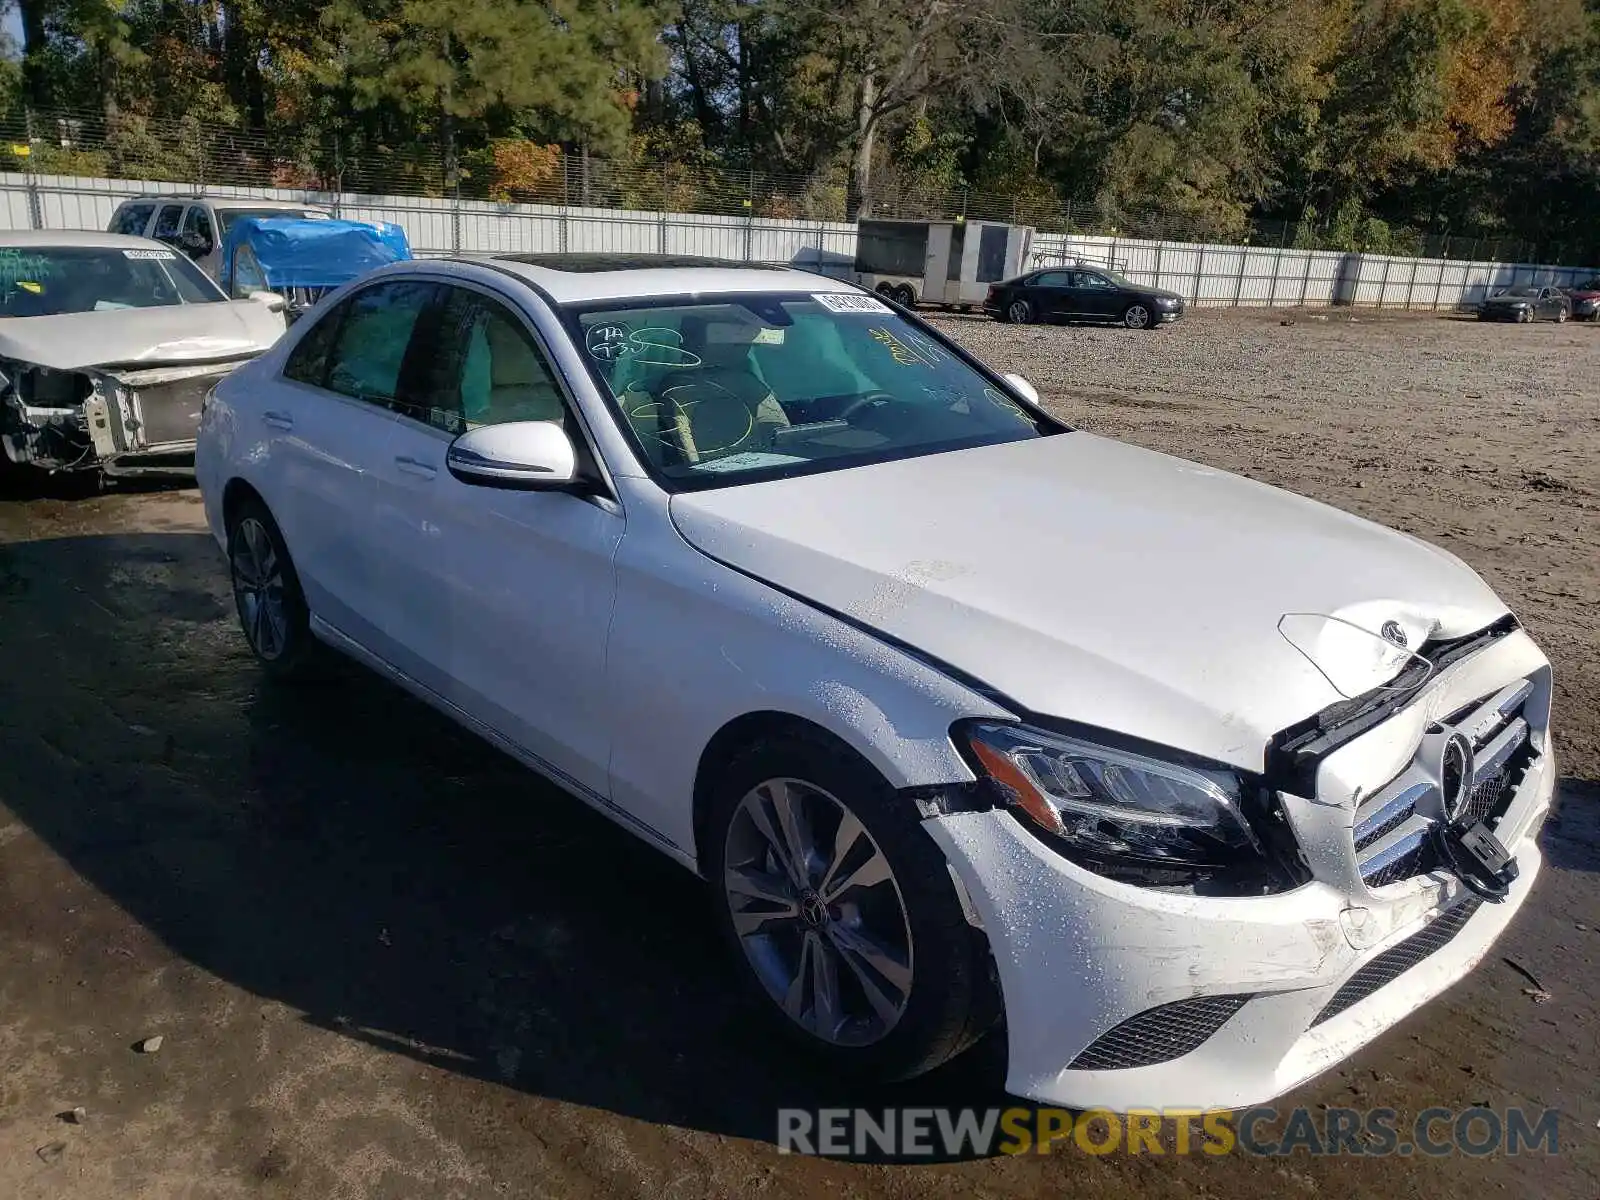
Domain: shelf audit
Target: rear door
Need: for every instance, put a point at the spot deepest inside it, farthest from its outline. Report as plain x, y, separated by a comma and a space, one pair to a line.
499, 600
326, 423
197, 221
168, 223
1051, 293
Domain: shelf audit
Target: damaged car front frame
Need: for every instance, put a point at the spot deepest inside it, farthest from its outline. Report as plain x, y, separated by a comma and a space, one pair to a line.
123, 420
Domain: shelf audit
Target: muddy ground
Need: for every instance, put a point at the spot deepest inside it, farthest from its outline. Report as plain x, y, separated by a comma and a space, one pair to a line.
387, 962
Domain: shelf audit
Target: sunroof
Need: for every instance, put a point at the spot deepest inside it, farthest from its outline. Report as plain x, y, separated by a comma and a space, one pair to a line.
584, 264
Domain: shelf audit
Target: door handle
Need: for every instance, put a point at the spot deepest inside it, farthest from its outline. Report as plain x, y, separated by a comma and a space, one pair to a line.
412, 466
278, 420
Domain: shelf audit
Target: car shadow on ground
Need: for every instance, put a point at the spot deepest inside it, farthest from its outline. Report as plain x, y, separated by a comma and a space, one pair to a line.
1570, 840
341, 848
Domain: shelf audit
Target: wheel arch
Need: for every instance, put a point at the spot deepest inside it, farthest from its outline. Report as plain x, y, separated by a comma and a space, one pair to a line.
235, 493
738, 735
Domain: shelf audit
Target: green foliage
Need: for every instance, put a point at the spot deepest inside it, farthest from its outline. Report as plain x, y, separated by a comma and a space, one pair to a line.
1393, 119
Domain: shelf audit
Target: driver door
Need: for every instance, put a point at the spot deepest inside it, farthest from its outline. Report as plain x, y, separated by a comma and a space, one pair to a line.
500, 600
1095, 295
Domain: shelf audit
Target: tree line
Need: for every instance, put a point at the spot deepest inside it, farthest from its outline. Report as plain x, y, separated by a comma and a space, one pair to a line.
1373, 121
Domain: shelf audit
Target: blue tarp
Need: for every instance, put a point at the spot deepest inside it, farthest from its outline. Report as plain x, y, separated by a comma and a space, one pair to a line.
295, 252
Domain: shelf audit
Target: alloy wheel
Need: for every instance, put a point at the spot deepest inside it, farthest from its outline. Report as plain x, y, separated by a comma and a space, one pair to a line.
1137, 316
818, 912
1019, 312
258, 587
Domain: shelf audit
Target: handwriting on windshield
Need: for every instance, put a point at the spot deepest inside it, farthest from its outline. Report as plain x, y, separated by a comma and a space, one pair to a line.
17, 268
654, 346
909, 349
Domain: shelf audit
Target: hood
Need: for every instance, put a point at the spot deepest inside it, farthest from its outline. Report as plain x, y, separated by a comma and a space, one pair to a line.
1584, 294
1094, 581
133, 336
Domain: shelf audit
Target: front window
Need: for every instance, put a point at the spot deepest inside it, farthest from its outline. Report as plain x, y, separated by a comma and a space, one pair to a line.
227, 216
740, 388
48, 281
1524, 293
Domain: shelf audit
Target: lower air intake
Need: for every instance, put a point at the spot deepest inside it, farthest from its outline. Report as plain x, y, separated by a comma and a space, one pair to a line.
1398, 959
1159, 1035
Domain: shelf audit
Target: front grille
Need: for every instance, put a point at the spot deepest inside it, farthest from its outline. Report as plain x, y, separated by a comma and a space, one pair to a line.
1398, 959
1159, 1035
1391, 827
1487, 795
1413, 861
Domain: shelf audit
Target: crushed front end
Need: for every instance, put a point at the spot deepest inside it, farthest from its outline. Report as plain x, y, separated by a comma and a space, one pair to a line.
133, 420
1124, 993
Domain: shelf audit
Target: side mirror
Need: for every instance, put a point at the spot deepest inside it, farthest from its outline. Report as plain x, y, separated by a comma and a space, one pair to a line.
520, 455
273, 301
1022, 387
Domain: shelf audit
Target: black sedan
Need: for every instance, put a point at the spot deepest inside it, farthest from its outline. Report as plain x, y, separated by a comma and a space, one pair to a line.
1526, 303
1081, 294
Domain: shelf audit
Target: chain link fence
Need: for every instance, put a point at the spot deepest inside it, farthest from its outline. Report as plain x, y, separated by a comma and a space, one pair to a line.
195, 152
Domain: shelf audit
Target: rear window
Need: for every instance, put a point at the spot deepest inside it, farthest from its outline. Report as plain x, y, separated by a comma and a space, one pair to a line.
48, 281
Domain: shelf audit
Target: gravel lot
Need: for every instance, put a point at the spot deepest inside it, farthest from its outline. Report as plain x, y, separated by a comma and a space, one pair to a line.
385, 962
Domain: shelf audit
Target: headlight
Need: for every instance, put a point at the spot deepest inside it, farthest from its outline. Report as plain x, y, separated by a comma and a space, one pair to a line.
1116, 803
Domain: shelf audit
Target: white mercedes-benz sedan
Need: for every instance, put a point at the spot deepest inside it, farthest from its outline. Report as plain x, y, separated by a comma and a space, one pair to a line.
964, 716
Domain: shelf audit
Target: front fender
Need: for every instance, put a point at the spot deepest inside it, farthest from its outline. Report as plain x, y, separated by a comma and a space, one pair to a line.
695, 644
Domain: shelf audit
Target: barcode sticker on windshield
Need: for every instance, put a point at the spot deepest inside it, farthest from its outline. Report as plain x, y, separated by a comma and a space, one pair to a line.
163, 255
850, 302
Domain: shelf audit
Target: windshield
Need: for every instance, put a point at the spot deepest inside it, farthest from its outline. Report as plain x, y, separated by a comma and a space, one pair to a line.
48, 281
729, 390
1521, 291
229, 215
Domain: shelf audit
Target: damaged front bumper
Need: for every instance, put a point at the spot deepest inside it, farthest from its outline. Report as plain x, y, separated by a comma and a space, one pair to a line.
123, 421
1121, 997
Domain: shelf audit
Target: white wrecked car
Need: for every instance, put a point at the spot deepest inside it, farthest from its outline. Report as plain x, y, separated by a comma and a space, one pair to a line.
108, 345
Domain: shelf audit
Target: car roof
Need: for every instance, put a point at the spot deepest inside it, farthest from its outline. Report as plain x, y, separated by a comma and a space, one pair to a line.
224, 201
582, 278
86, 238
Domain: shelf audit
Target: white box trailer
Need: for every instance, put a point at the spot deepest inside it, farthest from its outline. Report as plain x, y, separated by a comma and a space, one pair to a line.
950, 263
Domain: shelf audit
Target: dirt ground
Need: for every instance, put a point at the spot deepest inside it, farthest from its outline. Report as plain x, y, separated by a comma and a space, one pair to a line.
387, 962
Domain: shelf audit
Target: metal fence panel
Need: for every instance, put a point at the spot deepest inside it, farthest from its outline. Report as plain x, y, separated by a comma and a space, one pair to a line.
1205, 274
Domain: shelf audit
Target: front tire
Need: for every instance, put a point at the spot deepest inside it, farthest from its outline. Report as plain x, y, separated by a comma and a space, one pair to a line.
841, 912
266, 592
1136, 316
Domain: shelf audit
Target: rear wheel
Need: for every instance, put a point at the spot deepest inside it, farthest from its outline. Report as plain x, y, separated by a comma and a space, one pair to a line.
841, 911
1019, 312
1561, 315
266, 592
905, 296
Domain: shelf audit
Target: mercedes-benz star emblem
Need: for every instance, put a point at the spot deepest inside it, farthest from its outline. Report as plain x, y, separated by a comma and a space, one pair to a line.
1455, 775
1393, 632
